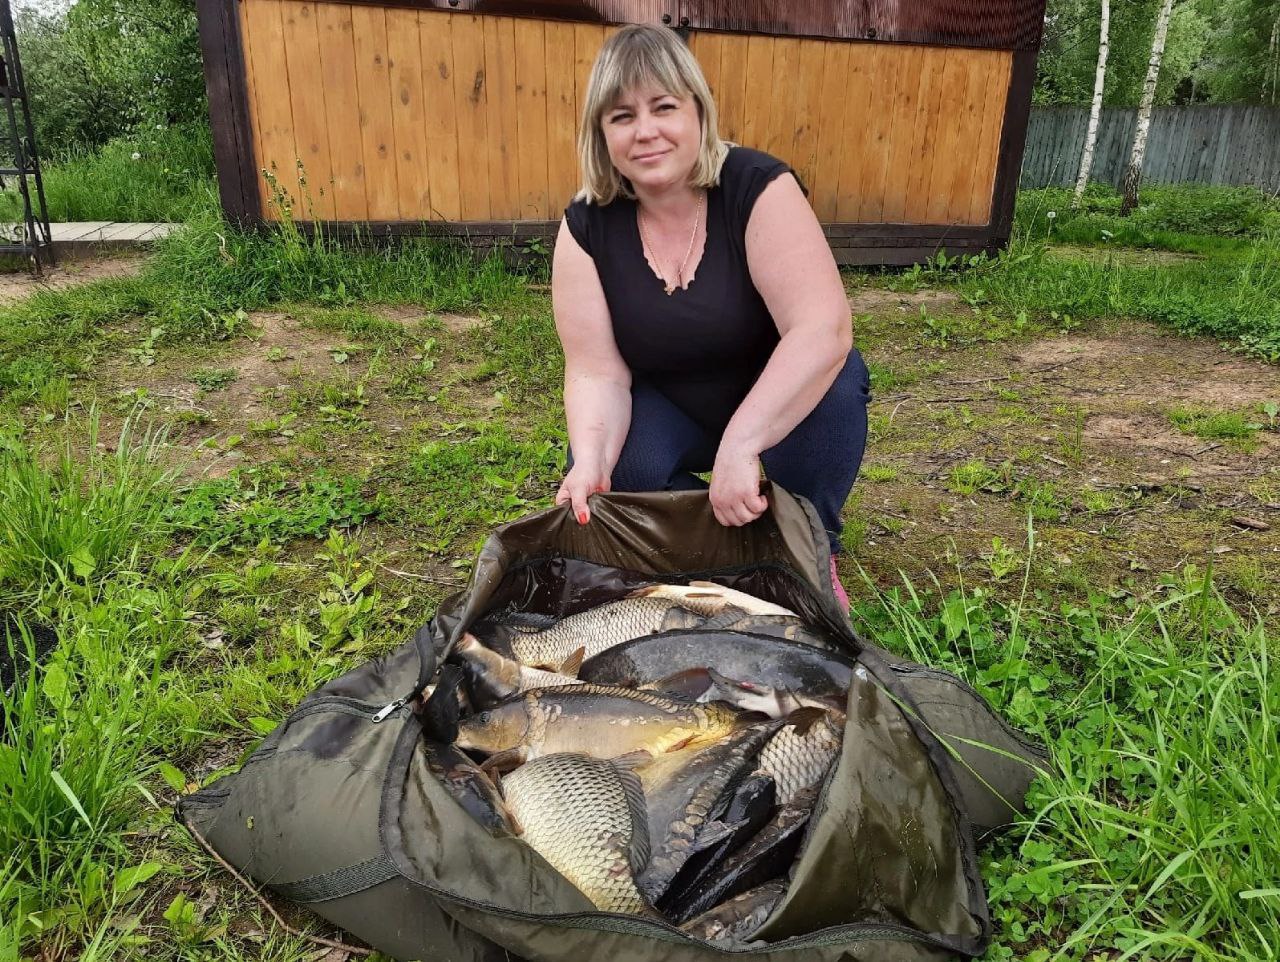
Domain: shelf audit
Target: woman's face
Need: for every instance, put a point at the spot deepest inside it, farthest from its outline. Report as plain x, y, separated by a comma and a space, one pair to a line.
653, 137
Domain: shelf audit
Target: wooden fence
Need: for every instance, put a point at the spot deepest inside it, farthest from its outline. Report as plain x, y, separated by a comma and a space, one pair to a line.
1207, 144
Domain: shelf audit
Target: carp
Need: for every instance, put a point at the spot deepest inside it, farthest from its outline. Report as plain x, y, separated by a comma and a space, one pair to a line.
601, 721
762, 659
800, 754
470, 787
494, 677
739, 918
645, 611
767, 856
586, 817
687, 791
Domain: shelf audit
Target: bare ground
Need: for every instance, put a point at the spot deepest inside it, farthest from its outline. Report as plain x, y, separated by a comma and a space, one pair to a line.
1074, 428
21, 284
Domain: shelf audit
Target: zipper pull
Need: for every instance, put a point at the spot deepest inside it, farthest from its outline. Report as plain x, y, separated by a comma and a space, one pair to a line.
386, 712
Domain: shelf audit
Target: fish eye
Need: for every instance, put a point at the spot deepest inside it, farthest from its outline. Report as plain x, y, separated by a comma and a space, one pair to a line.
485, 717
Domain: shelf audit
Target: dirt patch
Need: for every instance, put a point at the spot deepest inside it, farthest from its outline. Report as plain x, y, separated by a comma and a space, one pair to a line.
1123, 255
1075, 430
875, 300
408, 314
19, 286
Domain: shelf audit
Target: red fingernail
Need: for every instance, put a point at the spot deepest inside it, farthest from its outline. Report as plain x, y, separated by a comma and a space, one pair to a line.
582, 517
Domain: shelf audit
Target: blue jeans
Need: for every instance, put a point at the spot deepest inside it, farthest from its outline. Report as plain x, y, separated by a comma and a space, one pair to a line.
818, 460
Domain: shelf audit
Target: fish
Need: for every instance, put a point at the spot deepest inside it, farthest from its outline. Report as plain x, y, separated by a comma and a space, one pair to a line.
707, 684
761, 658
586, 817
709, 598
601, 721
595, 630
469, 786
800, 754
687, 791
494, 677
767, 856
740, 917
747, 813
646, 610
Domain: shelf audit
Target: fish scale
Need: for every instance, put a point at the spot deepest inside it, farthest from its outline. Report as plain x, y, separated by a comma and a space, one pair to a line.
595, 719
797, 761
585, 816
596, 630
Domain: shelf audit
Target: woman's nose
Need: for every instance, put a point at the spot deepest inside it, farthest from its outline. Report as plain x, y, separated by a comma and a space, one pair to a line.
646, 125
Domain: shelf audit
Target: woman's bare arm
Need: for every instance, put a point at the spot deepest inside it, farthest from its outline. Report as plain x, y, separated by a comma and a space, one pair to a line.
792, 268
597, 382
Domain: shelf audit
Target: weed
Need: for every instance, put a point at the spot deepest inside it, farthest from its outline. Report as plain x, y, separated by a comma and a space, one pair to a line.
214, 379
1002, 560
973, 476
878, 473
258, 504
1214, 425
73, 521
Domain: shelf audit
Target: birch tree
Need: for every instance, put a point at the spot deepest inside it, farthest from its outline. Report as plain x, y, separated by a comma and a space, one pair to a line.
1095, 111
1133, 172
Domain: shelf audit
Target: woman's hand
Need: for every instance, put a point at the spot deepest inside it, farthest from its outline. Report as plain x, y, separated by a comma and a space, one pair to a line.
582, 481
735, 487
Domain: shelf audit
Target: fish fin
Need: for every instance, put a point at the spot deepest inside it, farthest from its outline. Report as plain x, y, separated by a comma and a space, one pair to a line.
682, 743
633, 759
505, 761
803, 719
573, 664
528, 622
727, 617
468, 642
644, 591
746, 719
691, 683
442, 710
633, 792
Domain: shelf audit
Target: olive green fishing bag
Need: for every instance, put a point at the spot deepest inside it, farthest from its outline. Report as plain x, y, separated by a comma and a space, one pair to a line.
337, 809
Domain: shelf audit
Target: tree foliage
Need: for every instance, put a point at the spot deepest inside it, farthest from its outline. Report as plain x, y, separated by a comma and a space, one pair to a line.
108, 66
1217, 51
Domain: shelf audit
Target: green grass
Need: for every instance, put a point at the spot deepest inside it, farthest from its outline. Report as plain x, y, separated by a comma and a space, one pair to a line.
1182, 217
201, 283
1156, 834
172, 177
68, 523
193, 614
1215, 425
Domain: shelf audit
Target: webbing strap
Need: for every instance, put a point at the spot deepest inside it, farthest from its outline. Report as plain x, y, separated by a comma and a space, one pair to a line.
338, 883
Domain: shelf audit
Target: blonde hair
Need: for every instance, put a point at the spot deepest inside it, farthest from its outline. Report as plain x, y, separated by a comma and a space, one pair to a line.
640, 55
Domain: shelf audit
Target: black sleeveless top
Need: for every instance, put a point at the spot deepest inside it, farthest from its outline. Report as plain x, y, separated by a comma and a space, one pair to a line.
703, 347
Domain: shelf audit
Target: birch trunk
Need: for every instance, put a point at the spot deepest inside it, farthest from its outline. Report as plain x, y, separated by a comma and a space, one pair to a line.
1133, 172
1272, 75
1095, 111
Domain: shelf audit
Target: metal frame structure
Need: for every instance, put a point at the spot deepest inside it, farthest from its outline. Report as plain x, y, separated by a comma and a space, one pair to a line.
36, 242
1013, 25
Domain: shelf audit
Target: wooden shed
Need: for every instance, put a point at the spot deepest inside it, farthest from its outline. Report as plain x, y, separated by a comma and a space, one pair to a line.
905, 118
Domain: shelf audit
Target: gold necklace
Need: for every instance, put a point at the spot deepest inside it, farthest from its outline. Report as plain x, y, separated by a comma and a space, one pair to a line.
667, 285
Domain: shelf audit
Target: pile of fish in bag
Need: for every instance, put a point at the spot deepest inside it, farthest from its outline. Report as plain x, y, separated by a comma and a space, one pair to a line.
663, 751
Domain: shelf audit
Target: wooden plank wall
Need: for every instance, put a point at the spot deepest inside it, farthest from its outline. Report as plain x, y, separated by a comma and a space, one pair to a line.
369, 114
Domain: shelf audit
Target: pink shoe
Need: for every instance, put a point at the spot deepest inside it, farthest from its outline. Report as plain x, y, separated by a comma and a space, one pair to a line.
842, 596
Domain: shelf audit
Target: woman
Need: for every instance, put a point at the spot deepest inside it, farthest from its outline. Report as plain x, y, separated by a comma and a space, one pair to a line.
702, 316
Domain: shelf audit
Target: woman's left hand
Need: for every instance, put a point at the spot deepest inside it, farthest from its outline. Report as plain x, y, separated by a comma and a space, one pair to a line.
735, 487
